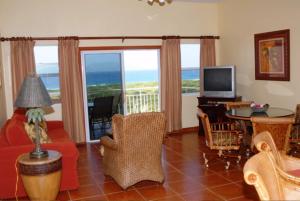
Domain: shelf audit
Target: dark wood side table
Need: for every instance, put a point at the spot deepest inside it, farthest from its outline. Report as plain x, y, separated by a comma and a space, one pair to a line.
41, 177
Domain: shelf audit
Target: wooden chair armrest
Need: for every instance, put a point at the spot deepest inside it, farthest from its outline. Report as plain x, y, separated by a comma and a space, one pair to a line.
108, 143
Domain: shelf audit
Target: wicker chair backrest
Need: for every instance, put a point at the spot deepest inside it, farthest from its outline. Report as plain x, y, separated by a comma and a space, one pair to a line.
279, 128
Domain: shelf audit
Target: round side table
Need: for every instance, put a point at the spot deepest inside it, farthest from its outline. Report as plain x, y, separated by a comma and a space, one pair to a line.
41, 177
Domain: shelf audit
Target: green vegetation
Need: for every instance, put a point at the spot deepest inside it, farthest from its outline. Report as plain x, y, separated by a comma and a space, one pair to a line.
188, 86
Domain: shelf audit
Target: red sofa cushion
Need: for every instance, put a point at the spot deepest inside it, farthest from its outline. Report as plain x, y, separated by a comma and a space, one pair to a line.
3, 139
16, 134
58, 135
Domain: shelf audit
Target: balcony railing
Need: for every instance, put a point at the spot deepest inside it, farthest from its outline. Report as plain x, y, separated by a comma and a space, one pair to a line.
143, 100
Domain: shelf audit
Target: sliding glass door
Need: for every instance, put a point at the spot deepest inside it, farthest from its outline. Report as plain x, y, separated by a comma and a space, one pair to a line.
127, 81
103, 90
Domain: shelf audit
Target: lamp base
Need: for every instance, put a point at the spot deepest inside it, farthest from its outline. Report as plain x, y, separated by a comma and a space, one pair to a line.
39, 154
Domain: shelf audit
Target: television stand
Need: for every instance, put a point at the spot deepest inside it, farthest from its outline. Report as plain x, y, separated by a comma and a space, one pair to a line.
215, 108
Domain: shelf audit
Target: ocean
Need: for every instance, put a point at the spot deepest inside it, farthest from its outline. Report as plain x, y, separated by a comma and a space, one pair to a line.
98, 78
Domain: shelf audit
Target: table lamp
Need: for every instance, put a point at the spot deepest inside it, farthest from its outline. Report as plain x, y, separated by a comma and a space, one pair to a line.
34, 95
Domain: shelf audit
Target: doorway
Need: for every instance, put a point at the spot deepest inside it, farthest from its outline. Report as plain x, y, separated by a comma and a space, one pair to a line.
130, 77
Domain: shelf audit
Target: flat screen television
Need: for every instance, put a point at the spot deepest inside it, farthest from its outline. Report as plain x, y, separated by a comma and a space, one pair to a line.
219, 81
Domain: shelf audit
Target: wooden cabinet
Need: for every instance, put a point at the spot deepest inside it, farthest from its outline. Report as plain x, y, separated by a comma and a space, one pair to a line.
215, 108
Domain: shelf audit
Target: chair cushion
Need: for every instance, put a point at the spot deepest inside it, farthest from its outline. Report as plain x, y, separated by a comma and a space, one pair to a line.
30, 130
294, 172
16, 134
58, 135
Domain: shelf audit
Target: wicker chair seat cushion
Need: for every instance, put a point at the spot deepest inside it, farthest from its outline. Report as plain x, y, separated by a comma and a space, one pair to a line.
225, 139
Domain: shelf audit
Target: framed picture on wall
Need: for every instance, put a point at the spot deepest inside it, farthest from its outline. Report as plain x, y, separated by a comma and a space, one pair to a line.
272, 55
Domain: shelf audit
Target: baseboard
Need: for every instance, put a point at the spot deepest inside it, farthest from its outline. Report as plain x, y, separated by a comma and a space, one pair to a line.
185, 130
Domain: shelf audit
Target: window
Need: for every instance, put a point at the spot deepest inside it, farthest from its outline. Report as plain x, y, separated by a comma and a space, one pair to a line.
190, 68
46, 61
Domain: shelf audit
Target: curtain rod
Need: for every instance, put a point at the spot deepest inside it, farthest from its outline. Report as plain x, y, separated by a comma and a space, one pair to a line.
115, 37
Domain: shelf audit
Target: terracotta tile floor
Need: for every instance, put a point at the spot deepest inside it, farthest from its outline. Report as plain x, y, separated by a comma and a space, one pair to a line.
186, 178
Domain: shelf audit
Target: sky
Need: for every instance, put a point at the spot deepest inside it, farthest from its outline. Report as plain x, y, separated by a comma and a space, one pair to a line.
134, 60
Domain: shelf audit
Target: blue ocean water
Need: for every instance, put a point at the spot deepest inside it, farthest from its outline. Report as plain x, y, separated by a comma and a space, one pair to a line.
97, 78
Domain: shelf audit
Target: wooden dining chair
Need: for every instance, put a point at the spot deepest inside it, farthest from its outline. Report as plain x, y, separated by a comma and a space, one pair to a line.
237, 104
270, 180
279, 128
275, 175
295, 134
244, 125
221, 136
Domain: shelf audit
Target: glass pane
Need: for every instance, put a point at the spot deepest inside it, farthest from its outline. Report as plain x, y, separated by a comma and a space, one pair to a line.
190, 68
46, 59
141, 76
103, 75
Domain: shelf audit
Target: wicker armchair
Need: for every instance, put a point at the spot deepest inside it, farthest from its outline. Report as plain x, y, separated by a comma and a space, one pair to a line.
279, 128
134, 154
274, 175
220, 136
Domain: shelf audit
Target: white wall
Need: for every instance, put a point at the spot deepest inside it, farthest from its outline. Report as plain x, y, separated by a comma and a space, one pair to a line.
239, 20
105, 18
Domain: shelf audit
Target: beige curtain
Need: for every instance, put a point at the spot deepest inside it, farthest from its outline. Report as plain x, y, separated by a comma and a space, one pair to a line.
3, 114
71, 88
171, 83
207, 52
22, 62
207, 56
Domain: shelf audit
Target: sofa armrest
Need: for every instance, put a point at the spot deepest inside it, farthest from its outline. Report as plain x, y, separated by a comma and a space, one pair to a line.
65, 148
54, 124
108, 142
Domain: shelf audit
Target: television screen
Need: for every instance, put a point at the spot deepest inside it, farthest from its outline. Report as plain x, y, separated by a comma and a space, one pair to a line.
218, 79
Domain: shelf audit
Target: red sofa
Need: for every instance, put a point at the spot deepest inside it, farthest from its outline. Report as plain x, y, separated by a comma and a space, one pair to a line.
14, 142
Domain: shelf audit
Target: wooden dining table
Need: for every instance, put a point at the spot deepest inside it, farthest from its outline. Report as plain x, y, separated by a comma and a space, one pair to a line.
244, 114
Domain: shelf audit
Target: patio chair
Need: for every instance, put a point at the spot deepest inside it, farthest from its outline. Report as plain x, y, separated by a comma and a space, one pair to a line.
135, 152
101, 113
221, 136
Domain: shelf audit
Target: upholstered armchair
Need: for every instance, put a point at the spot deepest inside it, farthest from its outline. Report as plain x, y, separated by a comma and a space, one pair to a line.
221, 136
135, 152
274, 175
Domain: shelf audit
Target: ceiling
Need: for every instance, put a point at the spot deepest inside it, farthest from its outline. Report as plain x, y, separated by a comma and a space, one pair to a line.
198, 1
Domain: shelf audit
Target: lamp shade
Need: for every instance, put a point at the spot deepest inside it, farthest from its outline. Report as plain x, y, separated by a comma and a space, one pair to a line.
33, 93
